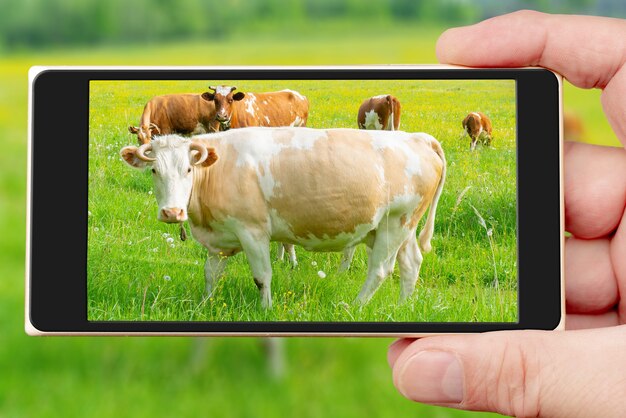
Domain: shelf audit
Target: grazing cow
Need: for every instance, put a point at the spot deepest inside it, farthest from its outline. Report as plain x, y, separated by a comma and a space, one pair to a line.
326, 190
380, 113
239, 110
478, 126
185, 114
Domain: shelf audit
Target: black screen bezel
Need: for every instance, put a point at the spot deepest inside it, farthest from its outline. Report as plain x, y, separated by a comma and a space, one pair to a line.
57, 271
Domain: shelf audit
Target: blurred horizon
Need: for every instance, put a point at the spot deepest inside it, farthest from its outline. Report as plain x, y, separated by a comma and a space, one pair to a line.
34, 25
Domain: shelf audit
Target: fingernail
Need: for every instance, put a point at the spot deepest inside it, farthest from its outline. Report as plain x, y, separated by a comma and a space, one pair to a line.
393, 344
432, 377
392, 355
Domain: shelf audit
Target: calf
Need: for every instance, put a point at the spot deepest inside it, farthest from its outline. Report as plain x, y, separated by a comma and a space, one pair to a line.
380, 113
478, 126
239, 192
185, 114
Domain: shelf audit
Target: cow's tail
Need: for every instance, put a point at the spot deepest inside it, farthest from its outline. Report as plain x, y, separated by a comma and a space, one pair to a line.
427, 232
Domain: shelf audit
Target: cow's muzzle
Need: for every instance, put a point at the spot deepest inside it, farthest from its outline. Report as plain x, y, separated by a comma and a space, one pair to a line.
172, 215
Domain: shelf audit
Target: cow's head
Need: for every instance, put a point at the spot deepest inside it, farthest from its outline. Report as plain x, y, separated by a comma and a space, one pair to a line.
172, 160
223, 98
144, 132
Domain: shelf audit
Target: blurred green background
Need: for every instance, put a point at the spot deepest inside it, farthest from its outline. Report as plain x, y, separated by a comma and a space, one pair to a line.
138, 377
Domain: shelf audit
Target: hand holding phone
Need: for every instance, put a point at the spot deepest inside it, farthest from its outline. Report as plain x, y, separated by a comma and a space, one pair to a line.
564, 374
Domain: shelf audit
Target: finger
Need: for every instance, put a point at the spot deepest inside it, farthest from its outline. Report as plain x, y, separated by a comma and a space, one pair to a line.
607, 319
521, 373
618, 257
588, 51
590, 285
396, 348
595, 189
613, 104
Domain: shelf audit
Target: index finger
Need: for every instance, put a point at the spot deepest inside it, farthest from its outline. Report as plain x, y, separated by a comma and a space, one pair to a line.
588, 51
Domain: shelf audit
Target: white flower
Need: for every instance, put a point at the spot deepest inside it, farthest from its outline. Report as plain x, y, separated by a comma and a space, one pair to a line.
88, 213
130, 243
96, 229
167, 278
172, 245
165, 235
196, 262
489, 232
314, 263
321, 274
169, 240
154, 250
149, 191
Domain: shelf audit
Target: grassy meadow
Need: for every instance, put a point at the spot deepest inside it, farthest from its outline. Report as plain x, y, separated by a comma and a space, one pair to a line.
164, 377
138, 269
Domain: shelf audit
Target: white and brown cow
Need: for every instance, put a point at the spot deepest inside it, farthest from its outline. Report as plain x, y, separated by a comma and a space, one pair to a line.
478, 126
380, 113
185, 114
240, 110
326, 190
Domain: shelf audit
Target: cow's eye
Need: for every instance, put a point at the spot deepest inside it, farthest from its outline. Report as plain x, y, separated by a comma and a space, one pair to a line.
189, 170
153, 171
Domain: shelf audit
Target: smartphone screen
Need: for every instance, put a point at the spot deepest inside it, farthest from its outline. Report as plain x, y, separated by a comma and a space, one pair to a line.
139, 269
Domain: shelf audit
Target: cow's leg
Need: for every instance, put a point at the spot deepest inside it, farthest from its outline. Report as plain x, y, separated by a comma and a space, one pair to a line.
389, 236
213, 271
346, 259
410, 260
275, 355
257, 249
291, 252
473, 143
280, 253
390, 265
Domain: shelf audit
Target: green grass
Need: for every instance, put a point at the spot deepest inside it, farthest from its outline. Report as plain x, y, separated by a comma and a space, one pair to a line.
134, 273
152, 377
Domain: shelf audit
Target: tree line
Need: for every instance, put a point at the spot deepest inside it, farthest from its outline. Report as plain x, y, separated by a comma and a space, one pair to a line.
43, 23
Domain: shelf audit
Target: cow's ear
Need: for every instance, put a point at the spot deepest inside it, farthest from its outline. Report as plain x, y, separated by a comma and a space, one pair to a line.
211, 158
239, 95
154, 129
133, 129
208, 96
129, 155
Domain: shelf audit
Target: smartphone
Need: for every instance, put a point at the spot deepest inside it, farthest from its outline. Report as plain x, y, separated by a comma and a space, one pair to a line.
294, 201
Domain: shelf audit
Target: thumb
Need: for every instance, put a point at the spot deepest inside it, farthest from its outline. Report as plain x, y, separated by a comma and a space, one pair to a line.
520, 373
